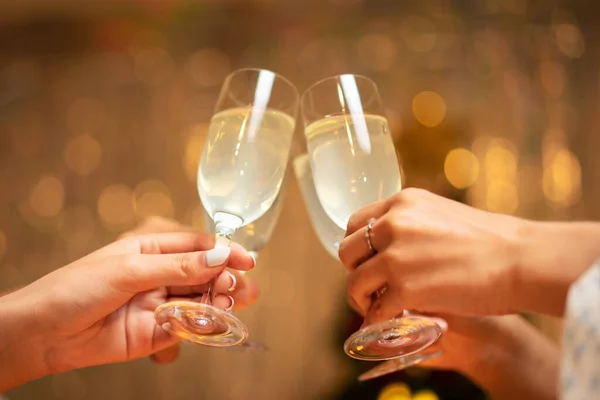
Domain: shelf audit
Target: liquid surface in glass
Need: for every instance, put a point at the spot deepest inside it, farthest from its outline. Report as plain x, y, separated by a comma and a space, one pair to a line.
243, 162
354, 163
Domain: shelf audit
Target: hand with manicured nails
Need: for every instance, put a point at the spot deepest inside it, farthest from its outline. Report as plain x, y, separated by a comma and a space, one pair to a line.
244, 293
100, 309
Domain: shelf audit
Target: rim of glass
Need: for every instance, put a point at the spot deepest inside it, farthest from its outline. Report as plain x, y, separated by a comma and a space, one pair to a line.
317, 83
279, 76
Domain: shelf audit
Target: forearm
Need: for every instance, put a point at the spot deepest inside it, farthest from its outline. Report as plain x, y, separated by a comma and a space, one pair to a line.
552, 257
21, 354
518, 363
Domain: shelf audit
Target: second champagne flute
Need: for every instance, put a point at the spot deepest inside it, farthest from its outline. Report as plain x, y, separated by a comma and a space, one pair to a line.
239, 178
354, 163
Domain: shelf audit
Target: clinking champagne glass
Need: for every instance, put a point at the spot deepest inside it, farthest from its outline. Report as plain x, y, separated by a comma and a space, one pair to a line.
354, 163
239, 178
330, 236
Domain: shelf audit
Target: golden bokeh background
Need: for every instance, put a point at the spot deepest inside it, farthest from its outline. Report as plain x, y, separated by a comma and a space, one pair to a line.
104, 107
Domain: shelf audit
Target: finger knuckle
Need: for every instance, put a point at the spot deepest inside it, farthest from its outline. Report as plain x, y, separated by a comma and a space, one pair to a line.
388, 227
183, 264
148, 245
390, 261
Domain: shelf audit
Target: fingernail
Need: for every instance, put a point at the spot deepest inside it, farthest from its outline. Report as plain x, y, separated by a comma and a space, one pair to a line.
253, 259
217, 256
233, 282
232, 303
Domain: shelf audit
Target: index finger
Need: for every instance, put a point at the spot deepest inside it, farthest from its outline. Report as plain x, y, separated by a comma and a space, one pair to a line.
179, 242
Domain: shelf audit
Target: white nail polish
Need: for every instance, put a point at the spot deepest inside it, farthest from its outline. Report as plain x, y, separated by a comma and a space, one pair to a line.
217, 256
233, 282
232, 303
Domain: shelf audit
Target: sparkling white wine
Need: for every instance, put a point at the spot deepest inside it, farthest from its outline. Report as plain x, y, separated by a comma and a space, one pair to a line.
243, 163
329, 234
354, 163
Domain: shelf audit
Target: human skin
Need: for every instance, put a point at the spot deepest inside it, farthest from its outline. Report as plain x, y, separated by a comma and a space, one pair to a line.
435, 255
100, 309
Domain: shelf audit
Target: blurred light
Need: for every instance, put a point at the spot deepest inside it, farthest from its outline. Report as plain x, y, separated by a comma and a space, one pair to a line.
83, 154
502, 197
418, 33
3, 245
377, 51
115, 206
395, 391
153, 198
47, 197
461, 168
570, 40
429, 108
33, 219
209, 67
153, 66
193, 150
553, 78
86, 114
500, 160
554, 141
425, 395
562, 179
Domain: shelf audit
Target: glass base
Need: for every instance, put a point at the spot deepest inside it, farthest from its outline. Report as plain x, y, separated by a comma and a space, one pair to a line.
392, 339
401, 363
201, 323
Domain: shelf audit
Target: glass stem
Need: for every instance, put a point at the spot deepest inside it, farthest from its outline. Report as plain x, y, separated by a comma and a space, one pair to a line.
222, 239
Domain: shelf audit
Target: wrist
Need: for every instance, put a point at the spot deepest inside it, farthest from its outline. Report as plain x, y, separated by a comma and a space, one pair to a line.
551, 257
22, 354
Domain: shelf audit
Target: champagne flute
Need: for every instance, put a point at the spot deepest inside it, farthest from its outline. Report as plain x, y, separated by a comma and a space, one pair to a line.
330, 236
354, 163
239, 178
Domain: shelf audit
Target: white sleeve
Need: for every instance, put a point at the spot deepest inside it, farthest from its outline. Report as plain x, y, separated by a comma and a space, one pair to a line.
580, 364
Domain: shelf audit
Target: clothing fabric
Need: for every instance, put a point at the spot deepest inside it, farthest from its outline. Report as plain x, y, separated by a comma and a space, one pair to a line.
580, 369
